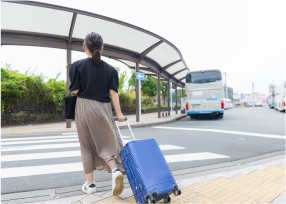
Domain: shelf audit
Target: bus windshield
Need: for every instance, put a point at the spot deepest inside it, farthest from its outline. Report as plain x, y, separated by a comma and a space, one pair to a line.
203, 77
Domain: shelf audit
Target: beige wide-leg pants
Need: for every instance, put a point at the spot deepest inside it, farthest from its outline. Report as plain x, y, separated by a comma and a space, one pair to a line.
99, 140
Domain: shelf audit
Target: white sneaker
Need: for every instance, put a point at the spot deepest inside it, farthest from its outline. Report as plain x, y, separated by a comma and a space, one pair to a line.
91, 188
117, 182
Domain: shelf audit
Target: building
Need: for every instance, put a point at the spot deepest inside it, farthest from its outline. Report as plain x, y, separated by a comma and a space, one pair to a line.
229, 93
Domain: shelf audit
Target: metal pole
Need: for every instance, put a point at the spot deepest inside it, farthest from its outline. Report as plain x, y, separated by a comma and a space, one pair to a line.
158, 93
139, 101
226, 87
171, 102
68, 121
137, 94
252, 94
168, 87
176, 95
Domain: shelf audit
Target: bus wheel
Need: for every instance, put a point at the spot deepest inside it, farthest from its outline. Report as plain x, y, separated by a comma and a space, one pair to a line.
193, 117
221, 115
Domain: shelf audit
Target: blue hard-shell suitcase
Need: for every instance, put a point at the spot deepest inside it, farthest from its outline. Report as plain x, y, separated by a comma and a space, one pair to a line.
148, 173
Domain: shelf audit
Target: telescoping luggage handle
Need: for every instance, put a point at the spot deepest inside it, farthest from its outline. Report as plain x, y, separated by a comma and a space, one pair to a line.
126, 120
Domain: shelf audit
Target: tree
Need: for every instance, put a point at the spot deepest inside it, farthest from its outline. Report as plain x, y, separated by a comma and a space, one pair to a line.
122, 79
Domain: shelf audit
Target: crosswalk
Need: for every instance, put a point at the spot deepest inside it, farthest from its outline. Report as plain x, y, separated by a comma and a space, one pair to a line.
15, 150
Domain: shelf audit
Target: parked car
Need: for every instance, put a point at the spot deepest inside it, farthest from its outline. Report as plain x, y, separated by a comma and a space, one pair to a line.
249, 104
227, 103
258, 103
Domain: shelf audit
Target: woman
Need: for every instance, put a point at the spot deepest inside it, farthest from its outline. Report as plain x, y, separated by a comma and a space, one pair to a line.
92, 80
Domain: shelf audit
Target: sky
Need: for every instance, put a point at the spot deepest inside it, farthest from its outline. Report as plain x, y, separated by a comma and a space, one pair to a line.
244, 38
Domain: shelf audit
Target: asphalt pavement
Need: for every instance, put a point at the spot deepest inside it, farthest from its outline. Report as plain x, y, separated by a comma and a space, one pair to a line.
53, 161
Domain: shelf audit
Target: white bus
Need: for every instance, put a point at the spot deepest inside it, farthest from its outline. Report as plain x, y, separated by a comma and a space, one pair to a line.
205, 95
279, 98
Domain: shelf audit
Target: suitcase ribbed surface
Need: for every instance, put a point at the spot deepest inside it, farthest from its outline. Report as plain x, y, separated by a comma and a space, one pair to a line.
149, 165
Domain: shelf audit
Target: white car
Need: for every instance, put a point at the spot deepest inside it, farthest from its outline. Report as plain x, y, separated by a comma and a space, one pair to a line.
227, 104
258, 103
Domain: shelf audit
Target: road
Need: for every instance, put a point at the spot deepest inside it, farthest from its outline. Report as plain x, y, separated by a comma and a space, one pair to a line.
53, 161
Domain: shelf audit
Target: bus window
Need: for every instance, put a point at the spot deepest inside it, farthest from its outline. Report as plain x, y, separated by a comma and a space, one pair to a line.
203, 77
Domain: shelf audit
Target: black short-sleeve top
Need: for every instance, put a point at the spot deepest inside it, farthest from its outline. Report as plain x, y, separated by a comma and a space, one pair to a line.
93, 82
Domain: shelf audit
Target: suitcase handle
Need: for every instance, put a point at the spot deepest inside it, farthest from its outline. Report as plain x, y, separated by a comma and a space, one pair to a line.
116, 119
126, 120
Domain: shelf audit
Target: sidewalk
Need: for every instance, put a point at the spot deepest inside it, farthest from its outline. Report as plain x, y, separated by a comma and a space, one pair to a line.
253, 180
149, 119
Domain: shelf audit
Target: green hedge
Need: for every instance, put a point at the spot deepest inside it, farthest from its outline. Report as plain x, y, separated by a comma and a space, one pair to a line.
21, 87
31, 88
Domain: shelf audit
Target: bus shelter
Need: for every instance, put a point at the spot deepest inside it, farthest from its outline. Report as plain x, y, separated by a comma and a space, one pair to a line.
30, 23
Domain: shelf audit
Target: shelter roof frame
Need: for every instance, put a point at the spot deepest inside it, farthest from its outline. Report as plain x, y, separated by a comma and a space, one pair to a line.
69, 38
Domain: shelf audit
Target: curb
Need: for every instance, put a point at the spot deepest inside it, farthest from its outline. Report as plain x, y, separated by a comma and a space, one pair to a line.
52, 194
75, 131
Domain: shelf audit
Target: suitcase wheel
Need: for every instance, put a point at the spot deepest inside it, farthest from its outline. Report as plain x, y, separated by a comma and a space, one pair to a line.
167, 199
177, 192
151, 201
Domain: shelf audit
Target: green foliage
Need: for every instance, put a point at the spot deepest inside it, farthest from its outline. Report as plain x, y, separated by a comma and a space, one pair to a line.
29, 88
148, 86
132, 81
122, 79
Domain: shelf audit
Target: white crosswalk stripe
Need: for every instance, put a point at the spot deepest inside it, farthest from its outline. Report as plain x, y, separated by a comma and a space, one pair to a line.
38, 141
36, 138
72, 167
13, 145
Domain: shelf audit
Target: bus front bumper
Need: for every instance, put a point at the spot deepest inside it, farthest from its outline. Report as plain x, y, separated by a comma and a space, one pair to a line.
207, 112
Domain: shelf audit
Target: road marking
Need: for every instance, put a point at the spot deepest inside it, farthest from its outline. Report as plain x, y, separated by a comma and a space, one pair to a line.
69, 133
36, 138
72, 167
40, 139
226, 131
193, 157
34, 147
50, 155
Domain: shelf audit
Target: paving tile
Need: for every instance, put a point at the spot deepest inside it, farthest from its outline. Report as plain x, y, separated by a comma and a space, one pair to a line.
113, 199
78, 202
278, 200
212, 177
100, 193
275, 163
240, 171
225, 175
68, 189
90, 199
28, 200
29, 194
70, 194
187, 182
127, 192
107, 195
67, 200
259, 167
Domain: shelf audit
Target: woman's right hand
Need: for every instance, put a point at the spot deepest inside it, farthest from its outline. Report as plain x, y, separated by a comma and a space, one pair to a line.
120, 118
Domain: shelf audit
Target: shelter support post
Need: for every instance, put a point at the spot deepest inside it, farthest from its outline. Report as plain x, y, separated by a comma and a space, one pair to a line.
137, 93
158, 93
168, 87
176, 95
68, 121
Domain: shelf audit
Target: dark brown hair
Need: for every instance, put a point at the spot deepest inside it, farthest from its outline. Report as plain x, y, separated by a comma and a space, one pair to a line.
94, 42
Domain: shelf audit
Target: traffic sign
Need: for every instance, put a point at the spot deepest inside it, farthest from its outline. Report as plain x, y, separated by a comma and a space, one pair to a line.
140, 76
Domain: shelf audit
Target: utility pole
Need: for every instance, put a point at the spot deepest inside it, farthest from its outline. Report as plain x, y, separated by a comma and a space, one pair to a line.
252, 94
226, 94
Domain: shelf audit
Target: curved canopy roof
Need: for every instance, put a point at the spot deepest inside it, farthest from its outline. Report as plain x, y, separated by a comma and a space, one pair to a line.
40, 24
